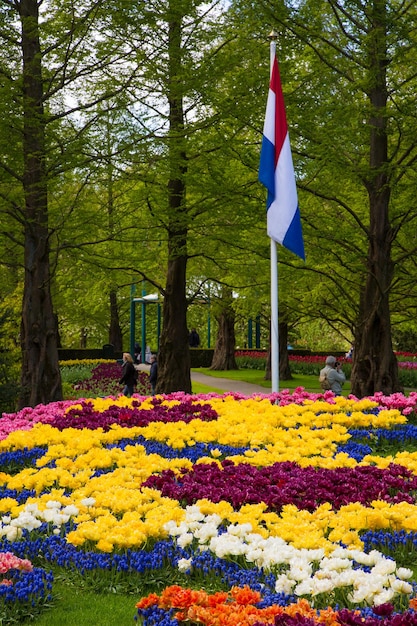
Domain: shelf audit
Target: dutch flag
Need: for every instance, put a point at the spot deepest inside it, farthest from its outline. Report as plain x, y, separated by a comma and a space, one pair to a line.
276, 172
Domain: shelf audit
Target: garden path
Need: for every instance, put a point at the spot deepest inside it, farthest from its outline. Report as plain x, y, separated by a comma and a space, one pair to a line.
220, 383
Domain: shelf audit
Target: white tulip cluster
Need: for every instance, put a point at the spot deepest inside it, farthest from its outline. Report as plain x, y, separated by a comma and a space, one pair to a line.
31, 518
300, 572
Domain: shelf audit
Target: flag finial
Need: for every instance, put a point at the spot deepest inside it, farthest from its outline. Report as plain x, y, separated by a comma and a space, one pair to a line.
272, 35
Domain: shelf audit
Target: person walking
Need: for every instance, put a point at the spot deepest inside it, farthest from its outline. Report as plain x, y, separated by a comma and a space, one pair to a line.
331, 376
128, 375
153, 374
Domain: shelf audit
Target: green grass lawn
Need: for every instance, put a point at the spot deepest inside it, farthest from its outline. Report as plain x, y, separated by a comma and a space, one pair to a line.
200, 388
73, 606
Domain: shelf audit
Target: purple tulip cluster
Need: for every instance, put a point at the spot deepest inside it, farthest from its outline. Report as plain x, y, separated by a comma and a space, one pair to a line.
382, 615
104, 381
88, 417
287, 483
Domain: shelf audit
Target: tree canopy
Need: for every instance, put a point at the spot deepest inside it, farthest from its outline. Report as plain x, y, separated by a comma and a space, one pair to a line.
130, 149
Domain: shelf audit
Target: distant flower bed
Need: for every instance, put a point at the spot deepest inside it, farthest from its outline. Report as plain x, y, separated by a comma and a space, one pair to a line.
89, 379
405, 359
311, 364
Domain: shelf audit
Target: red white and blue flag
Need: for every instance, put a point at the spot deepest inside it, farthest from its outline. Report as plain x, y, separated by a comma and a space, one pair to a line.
276, 172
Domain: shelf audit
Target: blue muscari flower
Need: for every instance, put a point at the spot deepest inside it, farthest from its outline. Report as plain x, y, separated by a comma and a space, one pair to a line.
280, 599
102, 471
27, 586
355, 450
56, 550
388, 541
193, 453
17, 459
20, 496
154, 616
400, 433
359, 433
232, 573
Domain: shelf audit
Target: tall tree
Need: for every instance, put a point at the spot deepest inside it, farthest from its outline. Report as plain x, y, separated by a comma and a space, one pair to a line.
374, 364
349, 102
180, 80
40, 379
56, 52
174, 355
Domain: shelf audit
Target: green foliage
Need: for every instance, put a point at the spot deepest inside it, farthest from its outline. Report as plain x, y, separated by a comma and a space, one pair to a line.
405, 340
407, 377
250, 363
9, 388
201, 357
73, 374
68, 391
9, 365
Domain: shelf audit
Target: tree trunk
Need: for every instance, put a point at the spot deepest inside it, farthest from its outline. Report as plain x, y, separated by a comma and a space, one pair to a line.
58, 336
115, 331
284, 362
174, 353
224, 351
374, 363
40, 375
83, 338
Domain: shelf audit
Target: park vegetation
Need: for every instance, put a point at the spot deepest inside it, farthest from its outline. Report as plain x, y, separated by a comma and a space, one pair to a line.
130, 146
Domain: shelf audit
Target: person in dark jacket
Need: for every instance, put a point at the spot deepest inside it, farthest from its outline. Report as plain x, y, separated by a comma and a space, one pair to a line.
153, 373
128, 375
137, 353
194, 339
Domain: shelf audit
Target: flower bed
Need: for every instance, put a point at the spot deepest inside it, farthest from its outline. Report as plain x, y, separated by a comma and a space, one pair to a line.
24, 590
311, 364
89, 379
216, 509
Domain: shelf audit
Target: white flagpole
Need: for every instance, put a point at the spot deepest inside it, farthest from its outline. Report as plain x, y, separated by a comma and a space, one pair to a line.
274, 275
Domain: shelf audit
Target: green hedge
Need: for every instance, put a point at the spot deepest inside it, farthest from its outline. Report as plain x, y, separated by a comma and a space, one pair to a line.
313, 369
408, 377
201, 357
250, 363
74, 374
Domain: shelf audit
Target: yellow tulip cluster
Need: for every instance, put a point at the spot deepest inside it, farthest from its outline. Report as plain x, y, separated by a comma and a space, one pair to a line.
122, 514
